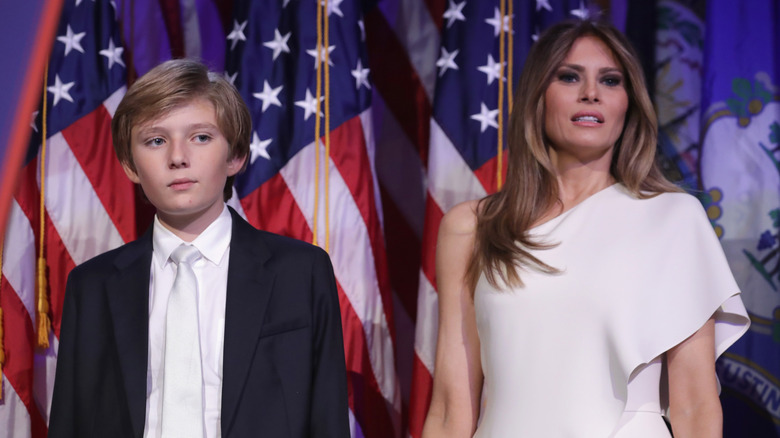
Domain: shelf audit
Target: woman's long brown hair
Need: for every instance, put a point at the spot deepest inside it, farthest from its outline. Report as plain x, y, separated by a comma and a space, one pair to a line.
502, 243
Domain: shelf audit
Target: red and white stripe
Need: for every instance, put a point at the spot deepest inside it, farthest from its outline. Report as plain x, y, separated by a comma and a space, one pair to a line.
357, 254
385, 206
450, 181
89, 206
437, 178
412, 141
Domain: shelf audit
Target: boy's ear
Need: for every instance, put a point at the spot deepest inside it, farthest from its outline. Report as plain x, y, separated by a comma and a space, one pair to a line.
235, 164
131, 173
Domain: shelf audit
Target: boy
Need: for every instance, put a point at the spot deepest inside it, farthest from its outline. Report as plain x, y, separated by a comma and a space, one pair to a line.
204, 326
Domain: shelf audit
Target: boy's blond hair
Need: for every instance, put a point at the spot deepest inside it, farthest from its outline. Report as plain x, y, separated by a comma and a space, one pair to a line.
170, 85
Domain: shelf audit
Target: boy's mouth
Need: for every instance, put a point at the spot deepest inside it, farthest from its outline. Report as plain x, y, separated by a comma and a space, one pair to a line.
181, 184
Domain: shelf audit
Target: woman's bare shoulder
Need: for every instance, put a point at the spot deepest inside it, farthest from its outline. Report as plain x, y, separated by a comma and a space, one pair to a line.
461, 219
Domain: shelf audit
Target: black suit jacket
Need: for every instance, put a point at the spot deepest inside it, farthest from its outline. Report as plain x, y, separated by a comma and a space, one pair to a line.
283, 358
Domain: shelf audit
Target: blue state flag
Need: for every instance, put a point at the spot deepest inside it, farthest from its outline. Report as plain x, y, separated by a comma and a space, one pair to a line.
740, 170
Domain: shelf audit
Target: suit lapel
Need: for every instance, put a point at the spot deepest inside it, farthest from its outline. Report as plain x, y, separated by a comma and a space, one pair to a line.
249, 288
128, 298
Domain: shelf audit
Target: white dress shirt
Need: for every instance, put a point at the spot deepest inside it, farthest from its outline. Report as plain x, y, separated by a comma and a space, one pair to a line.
211, 271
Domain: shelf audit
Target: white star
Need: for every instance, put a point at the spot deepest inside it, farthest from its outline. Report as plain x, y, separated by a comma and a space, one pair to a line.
535, 35
454, 13
61, 90
582, 12
237, 34
113, 53
32, 122
492, 69
279, 43
486, 118
334, 6
269, 95
72, 40
496, 22
231, 78
361, 75
310, 104
362, 27
446, 61
543, 4
258, 148
323, 53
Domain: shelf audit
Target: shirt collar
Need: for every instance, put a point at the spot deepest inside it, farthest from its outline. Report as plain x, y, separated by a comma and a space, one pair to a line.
212, 243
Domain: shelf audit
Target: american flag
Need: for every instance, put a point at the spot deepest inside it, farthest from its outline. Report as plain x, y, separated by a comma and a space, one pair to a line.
326, 191
88, 207
463, 160
412, 98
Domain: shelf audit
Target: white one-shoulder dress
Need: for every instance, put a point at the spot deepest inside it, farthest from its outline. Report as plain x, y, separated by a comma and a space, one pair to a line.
580, 353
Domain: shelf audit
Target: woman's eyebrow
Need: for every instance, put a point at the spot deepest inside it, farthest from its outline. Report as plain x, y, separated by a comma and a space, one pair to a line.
580, 68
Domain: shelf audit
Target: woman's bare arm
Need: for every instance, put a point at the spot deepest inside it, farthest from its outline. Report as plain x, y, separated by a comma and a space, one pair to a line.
457, 381
694, 406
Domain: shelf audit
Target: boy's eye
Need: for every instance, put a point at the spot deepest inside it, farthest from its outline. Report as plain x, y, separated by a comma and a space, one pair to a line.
202, 138
156, 141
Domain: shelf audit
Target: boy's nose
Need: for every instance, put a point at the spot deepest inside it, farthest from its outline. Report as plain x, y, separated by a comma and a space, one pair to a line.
177, 156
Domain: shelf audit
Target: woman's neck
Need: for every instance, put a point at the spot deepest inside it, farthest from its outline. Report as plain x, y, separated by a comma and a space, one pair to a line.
578, 179
573, 189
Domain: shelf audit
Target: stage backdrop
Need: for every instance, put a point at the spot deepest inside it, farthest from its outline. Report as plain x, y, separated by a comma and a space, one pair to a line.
409, 100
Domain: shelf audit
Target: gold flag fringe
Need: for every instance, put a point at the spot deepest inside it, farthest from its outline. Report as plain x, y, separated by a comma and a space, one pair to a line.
501, 62
505, 56
317, 94
323, 41
326, 61
510, 58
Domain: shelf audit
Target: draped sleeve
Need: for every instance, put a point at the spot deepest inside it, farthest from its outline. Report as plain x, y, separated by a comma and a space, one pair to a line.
683, 279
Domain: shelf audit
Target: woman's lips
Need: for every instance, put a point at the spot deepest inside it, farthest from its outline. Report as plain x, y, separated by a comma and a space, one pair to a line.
588, 118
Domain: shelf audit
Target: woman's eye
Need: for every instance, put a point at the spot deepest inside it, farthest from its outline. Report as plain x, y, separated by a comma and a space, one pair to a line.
612, 81
567, 77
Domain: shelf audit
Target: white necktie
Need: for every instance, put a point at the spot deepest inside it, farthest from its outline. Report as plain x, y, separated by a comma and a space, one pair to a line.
182, 414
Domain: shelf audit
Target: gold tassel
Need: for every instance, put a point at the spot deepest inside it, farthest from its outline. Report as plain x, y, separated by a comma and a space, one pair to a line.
44, 323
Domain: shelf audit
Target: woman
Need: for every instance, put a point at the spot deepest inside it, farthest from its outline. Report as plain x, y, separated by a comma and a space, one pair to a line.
589, 295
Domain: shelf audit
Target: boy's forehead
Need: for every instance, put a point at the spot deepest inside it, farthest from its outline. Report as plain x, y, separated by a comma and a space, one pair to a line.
154, 118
